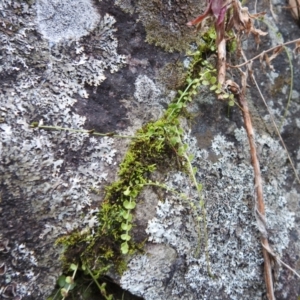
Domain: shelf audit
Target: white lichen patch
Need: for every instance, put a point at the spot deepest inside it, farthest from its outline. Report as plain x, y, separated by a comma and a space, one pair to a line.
50, 176
146, 90
234, 247
64, 20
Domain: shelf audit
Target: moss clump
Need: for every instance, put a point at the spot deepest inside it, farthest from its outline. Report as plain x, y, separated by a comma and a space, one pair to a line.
156, 146
151, 150
165, 22
173, 75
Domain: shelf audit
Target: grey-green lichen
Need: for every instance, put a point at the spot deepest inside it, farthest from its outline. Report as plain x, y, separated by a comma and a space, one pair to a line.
56, 25
165, 21
46, 185
234, 248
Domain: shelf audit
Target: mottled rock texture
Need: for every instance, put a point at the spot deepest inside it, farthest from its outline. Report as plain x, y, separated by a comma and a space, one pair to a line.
89, 65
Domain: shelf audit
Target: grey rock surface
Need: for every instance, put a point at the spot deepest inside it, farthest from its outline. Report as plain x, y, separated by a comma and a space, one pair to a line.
86, 65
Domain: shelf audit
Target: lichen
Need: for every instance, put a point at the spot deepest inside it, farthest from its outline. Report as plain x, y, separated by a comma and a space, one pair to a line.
48, 182
165, 22
146, 90
56, 25
45, 183
234, 247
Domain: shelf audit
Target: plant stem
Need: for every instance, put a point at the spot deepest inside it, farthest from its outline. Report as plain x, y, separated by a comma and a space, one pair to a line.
203, 211
181, 97
73, 277
91, 132
262, 53
291, 87
191, 171
93, 277
277, 129
259, 205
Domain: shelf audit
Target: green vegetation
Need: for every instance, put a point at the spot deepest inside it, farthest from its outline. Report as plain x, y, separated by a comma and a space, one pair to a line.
156, 146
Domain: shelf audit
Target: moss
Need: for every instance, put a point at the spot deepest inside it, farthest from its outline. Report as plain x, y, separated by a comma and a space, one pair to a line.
165, 22
157, 146
173, 75
150, 151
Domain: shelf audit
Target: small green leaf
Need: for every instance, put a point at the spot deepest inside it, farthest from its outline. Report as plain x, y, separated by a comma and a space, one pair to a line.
207, 76
205, 82
183, 196
127, 192
102, 288
212, 35
199, 187
179, 130
127, 216
191, 157
194, 170
213, 87
174, 140
126, 226
231, 103
61, 281
64, 292
125, 237
226, 95
124, 248
73, 267
129, 204
201, 203
69, 280
213, 80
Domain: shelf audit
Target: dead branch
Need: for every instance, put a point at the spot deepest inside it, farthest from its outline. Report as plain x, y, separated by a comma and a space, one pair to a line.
259, 194
221, 63
296, 41
279, 261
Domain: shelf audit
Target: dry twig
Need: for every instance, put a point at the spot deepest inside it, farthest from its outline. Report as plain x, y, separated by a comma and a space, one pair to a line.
296, 42
260, 206
241, 21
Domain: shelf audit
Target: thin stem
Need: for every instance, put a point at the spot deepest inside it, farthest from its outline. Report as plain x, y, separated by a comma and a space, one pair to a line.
191, 172
181, 96
274, 30
281, 262
203, 211
69, 284
221, 61
260, 206
276, 128
185, 198
291, 88
263, 52
93, 277
91, 132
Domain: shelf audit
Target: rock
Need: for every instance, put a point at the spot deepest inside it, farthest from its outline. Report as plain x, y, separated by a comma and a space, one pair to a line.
87, 65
